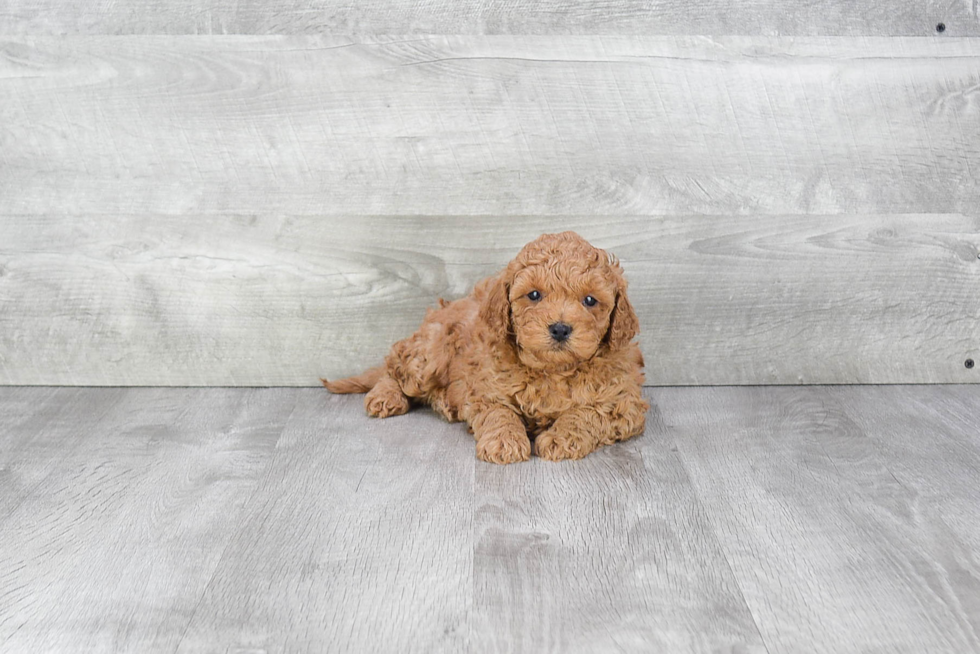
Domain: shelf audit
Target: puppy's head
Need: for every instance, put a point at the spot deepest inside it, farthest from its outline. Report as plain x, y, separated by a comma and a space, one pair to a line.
560, 302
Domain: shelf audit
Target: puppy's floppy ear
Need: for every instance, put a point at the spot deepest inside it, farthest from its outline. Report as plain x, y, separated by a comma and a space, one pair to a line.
495, 307
623, 323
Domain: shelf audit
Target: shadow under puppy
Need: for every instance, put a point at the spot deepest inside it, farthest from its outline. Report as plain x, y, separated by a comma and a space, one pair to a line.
544, 349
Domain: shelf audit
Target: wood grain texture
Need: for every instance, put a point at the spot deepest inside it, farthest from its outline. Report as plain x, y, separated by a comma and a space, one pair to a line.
610, 554
35, 419
930, 442
817, 527
246, 300
360, 536
370, 17
815, 519
472, 125
127, 499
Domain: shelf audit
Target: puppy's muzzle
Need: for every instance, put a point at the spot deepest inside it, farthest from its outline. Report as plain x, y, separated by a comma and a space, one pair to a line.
560, 331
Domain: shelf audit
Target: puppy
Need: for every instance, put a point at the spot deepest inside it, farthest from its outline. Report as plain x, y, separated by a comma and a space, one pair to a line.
541, 351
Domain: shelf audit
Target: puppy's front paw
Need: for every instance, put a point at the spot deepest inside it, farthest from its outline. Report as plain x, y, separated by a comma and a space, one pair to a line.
557, 444
504, 446
386, 399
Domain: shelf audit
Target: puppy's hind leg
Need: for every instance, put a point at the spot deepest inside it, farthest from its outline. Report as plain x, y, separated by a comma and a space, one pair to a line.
386, 399
384, 395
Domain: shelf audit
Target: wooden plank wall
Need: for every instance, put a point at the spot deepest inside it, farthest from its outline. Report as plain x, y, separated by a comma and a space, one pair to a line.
240, 193
507, 17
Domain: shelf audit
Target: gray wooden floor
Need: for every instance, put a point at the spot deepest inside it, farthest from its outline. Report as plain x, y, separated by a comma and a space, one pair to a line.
780, 519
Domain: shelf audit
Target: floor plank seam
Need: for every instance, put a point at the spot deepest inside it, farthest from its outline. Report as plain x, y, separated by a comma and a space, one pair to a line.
260, 477
679, 455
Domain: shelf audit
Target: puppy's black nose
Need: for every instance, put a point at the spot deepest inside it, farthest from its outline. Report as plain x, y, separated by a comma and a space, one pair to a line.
559, 331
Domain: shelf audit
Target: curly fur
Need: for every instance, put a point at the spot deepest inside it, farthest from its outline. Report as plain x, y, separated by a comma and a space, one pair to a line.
488, 359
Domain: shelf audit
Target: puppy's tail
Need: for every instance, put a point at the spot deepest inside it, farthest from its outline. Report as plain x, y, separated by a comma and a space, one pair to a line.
361, 383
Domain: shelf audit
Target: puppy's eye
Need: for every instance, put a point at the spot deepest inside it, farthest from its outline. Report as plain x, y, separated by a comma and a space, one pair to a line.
590, 301
534, 296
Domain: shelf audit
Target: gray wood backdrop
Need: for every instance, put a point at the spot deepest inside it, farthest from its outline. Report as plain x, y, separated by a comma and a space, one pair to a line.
245, 193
